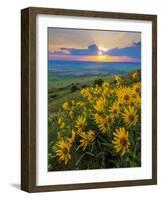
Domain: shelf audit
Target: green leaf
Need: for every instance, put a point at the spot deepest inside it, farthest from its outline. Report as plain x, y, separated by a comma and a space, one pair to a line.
80, 158
108, 145
102, 139
99, 154
77, 148
93, 145
90, 154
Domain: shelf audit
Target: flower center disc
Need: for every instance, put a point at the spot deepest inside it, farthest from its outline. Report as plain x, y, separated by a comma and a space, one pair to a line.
109, 120
65, 150
131, 118
123, 142
126, 97
114, 111
137, 90
106, 124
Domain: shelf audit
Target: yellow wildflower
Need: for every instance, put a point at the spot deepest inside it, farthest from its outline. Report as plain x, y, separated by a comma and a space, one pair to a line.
97, 90
62, 125
130, 116
86, 139
80, 103
117, 79
124, 94
110, 119
85, 92
72, 138
135, 75
100, 104
61, 122
66, 105
90, 99
63, 151
105, 123
121, 141
137, 89
71, 113
106, 91
115, 109
80, 122
135, 101
105, 84
97, 117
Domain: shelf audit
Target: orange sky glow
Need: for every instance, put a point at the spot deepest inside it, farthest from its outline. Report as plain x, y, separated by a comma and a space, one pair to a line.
97, 58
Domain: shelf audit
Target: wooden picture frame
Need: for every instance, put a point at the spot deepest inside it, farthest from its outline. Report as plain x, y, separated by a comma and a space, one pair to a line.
28, 98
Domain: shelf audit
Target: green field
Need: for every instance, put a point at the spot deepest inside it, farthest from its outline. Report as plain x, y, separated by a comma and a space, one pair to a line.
61, 89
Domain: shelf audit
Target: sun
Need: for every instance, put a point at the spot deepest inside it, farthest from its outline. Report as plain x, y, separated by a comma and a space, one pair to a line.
100, 53
102, 49
101, 56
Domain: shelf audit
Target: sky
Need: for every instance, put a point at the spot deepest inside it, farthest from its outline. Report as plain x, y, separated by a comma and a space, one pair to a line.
93, 45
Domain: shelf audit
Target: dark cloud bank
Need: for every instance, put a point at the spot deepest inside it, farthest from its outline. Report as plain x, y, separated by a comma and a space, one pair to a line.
133, 51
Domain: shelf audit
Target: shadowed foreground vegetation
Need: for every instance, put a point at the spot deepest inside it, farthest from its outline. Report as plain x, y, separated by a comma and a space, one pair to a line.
94, 122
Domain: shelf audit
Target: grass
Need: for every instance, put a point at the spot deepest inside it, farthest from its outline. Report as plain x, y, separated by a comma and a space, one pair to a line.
59, 89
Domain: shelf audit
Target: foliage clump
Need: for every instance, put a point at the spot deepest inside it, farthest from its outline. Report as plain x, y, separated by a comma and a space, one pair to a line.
100, 130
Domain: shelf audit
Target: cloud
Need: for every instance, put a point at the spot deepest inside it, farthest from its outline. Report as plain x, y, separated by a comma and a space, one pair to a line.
137, 43
60, 52
91, 50
131, 51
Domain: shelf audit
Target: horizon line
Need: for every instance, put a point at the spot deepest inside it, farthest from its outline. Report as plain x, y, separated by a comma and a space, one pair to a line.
94, 61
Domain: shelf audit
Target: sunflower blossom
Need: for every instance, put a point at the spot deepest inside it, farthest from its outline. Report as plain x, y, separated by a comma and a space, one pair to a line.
124, 95
105, 123
135, 75
80, 103
86, 138
72, 138
63, 151
61, 123
130, 116
121, 141
85, 92
80, 122
136, 89
117, 79
66, 105
100, 104
97, 90
115, 109
98, 117
105, 84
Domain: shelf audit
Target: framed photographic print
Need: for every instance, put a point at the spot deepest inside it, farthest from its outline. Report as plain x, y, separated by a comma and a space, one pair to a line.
89, 99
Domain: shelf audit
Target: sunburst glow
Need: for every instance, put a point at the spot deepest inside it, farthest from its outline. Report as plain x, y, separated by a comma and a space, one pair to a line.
102, 49
100, 53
